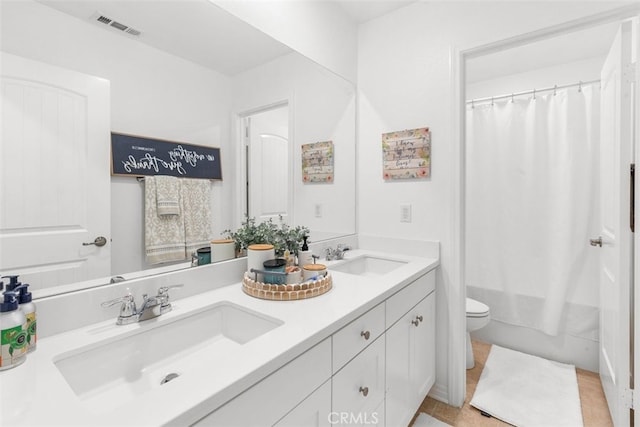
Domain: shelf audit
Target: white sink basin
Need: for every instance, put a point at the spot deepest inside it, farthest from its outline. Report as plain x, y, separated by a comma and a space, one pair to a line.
366, 265
119, 370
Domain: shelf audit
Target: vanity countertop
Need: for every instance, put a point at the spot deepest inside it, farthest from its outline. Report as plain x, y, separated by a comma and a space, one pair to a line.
35, 393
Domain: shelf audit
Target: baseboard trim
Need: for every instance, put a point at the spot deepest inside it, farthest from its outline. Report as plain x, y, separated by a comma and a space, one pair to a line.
439, 392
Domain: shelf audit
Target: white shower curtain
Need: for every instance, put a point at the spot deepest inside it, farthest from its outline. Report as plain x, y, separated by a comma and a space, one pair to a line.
531, 207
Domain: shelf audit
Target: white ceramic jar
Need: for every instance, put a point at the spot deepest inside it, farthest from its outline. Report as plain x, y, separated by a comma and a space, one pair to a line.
314, 270
256, 256
222, 250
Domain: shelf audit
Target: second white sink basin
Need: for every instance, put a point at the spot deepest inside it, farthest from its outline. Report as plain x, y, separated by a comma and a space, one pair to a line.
366, 265
117, 371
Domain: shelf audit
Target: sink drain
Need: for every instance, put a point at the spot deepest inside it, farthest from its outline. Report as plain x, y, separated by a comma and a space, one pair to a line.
169, 377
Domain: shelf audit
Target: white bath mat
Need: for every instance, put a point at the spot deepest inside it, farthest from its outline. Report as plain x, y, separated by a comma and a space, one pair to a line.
426, 420
526, 390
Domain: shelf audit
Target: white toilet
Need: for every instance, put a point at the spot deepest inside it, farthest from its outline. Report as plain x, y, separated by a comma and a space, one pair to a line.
477, 317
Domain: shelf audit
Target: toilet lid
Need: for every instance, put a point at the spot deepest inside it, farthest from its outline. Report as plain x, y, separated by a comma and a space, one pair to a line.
476, 308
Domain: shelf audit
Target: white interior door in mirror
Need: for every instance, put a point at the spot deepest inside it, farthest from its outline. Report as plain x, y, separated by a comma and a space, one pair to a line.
54, 188
269, 168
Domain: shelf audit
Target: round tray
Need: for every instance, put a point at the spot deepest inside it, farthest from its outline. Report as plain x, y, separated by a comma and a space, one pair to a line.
293, 292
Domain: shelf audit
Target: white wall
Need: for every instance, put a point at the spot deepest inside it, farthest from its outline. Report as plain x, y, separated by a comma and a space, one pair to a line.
320, 30
153, 94
568, 73
406, 81
322, 108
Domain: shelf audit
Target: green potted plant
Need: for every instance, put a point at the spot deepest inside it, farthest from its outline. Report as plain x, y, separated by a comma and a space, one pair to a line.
281, 236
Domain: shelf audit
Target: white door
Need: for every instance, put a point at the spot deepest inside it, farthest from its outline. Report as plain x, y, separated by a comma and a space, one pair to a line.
54, 173
616, 236
269, 165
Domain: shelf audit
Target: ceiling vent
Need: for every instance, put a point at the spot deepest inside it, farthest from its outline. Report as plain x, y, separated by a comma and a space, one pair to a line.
103, 19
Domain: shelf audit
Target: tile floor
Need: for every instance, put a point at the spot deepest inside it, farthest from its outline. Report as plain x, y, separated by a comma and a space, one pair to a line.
594, 407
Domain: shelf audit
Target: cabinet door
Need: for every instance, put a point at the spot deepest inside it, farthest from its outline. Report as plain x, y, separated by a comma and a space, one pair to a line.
269, 400
399, 400
410, 362
358, 389
314, 411
422, 358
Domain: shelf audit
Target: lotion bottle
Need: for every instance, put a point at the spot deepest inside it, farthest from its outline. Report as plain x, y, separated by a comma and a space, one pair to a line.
13, 337
28, 308
304, 254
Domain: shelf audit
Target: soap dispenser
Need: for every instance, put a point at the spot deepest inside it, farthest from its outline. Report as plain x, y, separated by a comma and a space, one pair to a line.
28, 308
13, 337
13, 282
304, 254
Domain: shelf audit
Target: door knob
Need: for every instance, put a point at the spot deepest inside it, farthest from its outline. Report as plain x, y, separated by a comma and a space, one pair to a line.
364, 391
100, 241
596, 242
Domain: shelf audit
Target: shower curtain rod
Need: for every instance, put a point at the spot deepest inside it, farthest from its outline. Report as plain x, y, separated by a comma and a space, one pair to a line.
529, 92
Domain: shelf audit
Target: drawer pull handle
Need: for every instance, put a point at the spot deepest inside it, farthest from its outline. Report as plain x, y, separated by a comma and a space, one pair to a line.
364, 391
415, 322
419, 318
366, 335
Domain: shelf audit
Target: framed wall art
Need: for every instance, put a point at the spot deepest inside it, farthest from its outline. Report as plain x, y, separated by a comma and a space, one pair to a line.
406, 154
317, 162
139, 156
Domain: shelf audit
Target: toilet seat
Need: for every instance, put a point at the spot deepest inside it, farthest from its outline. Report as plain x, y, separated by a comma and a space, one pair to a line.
476, 308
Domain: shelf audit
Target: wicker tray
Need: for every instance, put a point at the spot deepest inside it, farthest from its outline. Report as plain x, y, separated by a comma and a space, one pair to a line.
294, 292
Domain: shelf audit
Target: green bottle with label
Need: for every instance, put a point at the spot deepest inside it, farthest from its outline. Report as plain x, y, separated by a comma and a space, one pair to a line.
13, 335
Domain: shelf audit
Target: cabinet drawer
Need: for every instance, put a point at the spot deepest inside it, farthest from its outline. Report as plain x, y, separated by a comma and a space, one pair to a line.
314, 411
402, 301
357, 335
291, 384
358, 390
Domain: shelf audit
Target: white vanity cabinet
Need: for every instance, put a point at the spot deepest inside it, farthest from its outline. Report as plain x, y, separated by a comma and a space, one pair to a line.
375, 371
314, 411
410, 345
265, 403
358, 389
357, 335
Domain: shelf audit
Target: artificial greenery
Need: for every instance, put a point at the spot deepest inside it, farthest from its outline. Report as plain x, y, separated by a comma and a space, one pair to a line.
281, 236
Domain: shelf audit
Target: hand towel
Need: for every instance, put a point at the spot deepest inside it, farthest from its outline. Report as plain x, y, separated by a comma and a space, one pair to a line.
164, 235
168, 195
196, 199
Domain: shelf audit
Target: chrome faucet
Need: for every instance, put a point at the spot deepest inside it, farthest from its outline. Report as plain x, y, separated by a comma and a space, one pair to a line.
337, 253
151, 306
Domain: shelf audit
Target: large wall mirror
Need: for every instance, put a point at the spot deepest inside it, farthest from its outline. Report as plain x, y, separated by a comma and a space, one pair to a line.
184, 71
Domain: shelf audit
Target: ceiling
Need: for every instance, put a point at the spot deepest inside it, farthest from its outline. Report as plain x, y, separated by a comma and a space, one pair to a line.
360, 11
204, 33
194, 30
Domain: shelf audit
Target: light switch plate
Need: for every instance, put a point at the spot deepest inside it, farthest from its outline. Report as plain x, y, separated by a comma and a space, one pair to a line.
405, 213
317, 209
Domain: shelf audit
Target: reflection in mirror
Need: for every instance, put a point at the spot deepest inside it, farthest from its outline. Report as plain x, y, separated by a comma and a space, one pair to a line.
191, 68
268, 166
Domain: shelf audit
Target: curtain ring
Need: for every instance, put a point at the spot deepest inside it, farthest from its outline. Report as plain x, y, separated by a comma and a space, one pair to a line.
580, 86
492, 101
555, 90
534, 94
473, 105
512, 100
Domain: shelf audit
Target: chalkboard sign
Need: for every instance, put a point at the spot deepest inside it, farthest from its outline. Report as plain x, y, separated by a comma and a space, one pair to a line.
138, 156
